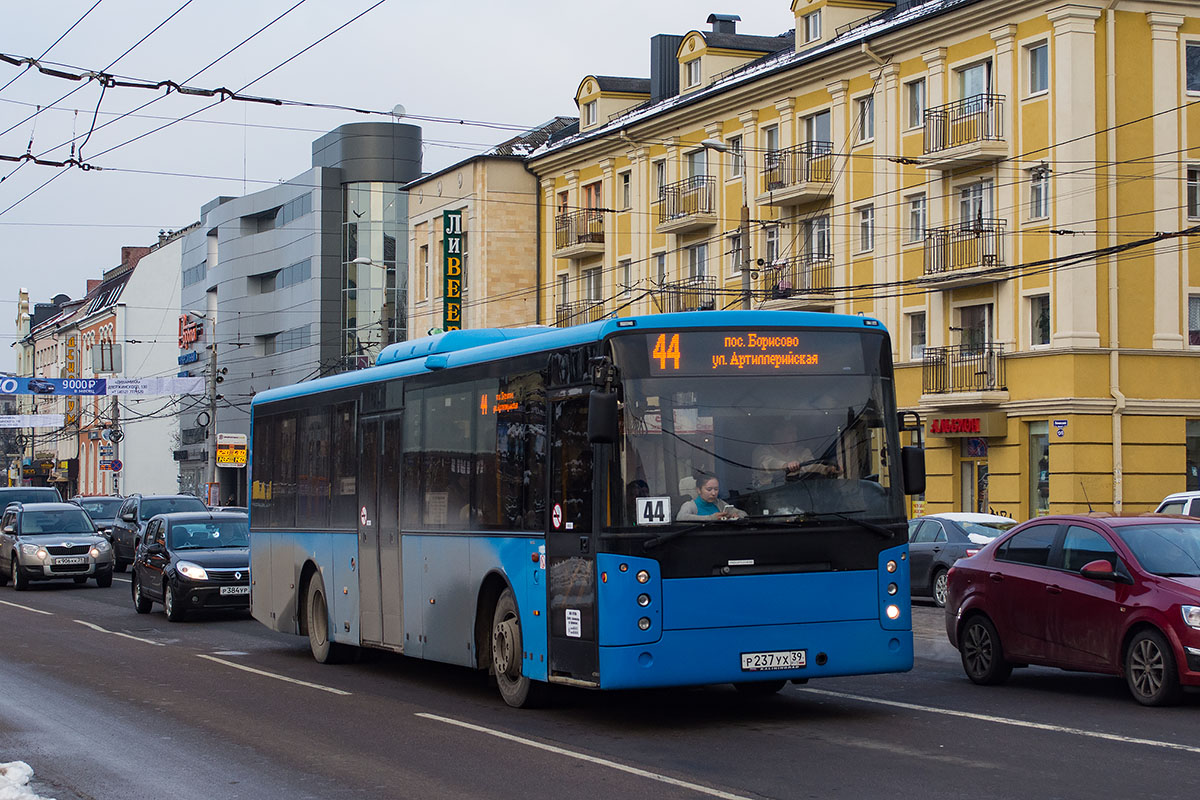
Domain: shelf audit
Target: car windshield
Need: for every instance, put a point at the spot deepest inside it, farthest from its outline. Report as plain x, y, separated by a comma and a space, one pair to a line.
804, 437
984, 532
70, 520
167, 505
1169, 550
101, 508
208, 534
33, 495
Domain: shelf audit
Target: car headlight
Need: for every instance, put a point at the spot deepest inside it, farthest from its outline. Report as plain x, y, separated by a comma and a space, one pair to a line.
191, 571
32, 550
1191, 615
102, 545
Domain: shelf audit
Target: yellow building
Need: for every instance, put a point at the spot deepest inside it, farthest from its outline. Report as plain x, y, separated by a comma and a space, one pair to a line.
977, 174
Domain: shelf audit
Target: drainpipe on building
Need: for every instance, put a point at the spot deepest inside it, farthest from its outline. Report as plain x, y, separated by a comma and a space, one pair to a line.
1114, 354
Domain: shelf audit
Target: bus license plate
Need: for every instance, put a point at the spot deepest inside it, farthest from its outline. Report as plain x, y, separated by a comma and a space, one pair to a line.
71, 560
777, 659
235, 590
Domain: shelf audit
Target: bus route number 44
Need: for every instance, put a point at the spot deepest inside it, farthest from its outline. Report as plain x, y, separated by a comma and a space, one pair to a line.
653, 510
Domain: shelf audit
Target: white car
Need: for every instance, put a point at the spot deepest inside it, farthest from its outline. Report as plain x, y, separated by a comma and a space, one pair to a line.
1187, 503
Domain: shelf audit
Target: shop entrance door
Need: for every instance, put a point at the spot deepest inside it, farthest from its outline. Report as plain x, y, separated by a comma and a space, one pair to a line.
975, 476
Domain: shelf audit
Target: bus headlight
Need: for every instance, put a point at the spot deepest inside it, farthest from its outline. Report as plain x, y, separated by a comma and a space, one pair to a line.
892, 588
890, 566
644, 623
643, 576
643, 600
893, 612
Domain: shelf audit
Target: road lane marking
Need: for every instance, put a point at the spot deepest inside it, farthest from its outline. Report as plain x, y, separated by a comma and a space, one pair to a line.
27, 608
654, 776
277, 677
122, 580
118, 633
1017, 723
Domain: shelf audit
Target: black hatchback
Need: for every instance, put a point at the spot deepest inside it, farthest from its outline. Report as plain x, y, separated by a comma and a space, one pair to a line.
189, 561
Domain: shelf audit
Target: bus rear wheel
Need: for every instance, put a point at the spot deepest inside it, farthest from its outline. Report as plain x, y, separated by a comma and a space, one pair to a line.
508, 653
323, 650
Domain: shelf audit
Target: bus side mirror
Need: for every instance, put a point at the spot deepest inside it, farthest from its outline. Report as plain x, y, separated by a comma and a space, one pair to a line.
912, 462
602, 417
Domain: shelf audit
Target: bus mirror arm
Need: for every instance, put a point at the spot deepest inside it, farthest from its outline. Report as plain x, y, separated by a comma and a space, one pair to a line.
912, 462
602, 416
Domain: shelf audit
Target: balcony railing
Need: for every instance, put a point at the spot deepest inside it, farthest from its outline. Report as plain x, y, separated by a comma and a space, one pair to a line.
690, 294
799, 275
578, 313
974, 245
578, 227
811, 161
979, 118
965, 368
687, 198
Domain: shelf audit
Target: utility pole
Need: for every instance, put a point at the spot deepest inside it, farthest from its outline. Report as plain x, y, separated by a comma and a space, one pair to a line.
212, 411
744, 224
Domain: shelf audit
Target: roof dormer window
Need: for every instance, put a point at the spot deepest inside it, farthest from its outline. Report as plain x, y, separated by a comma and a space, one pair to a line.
692, 73
589, 113
812, 27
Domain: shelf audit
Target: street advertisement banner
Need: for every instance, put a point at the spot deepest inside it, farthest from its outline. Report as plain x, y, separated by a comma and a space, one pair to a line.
65, 387
452, 271
32, 420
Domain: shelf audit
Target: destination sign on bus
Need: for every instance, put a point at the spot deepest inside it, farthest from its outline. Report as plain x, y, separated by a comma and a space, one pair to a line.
754, 352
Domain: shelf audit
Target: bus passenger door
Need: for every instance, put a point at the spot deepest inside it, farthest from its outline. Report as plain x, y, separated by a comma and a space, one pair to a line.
570, 543
381, 618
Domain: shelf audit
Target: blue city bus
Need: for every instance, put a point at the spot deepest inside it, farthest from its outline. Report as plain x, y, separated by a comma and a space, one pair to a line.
529, 502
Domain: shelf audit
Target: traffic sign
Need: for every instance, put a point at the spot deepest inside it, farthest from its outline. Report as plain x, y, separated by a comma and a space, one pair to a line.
116, 465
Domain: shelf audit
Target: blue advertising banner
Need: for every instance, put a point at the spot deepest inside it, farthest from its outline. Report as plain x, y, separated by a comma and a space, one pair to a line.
52, 386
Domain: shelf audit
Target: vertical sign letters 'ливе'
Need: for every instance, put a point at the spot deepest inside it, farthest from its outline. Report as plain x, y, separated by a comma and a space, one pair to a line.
452, 274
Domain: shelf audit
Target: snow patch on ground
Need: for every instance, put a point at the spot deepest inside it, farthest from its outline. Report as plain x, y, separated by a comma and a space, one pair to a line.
14, 782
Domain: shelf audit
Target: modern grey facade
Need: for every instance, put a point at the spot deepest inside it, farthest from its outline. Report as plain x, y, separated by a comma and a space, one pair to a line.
299, 280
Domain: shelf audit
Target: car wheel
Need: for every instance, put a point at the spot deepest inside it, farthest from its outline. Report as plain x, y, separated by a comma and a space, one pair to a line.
323, 650
20, 582
760, 688
104, 579
940, 585
1150, 670
508, 656
982, 655
141, 603
175, 613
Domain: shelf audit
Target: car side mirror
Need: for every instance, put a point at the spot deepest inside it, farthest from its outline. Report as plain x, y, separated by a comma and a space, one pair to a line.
1100, 570
9, 529
128, 516
156, 547
912, 463
602, 417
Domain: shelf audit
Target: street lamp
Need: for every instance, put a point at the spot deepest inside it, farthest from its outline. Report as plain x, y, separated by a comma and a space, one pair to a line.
744, 226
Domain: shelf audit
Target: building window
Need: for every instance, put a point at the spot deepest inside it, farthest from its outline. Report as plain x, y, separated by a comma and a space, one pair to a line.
592, 284
916, 218
1039, 320
1192, 443
771, 139
916, 103
975, 203
1193, 192
735, 253
736, 159
692, 73
564, 199
660, 267
697, 261
625, 191
975, 327
1192, 57
564, 288
1039, 192
916, 336
771, 252
817, 239
423, 289
866, 118
625, 269
975, 80
812, 26
1194, 320
866, 228
589, 113
660, 177
1039, 469
697, 163
817, 127
1039, 68
591, 195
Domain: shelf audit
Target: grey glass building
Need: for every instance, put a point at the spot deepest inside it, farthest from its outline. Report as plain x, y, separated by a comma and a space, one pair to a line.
300, 280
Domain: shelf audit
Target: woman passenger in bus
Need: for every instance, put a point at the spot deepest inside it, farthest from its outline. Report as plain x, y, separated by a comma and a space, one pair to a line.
707, 506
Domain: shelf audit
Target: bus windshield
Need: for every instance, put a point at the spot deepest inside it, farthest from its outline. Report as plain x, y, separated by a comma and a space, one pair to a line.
777, 426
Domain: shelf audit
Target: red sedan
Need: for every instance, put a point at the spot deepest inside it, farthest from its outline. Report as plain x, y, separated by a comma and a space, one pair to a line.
1108, 594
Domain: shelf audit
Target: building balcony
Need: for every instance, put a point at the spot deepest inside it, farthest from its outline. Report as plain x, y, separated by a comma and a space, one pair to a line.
687, 205
690, 294
578, 313
798, 281
964, 375
579, 234
798, 175
966, 133
962, 255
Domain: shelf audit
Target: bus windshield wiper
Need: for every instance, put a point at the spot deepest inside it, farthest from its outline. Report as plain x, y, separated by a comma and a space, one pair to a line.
879, 530
650, 544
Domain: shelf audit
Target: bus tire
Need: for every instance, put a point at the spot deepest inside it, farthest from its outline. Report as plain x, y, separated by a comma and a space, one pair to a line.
317, 608
760, 688
508, 652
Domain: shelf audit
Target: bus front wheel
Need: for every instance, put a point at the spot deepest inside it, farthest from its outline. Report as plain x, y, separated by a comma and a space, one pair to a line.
323, 650
508, 654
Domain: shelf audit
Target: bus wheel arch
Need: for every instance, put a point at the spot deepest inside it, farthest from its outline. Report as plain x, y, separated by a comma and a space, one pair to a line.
494, 584
306, 572
517, 689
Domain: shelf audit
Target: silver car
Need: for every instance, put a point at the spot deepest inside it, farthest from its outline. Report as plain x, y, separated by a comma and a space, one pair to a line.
52, 541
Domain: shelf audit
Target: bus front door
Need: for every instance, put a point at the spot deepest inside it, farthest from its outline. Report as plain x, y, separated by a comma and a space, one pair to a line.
379, 569
570, 555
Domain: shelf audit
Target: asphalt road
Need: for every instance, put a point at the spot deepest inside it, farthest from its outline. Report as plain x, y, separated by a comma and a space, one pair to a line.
105, 703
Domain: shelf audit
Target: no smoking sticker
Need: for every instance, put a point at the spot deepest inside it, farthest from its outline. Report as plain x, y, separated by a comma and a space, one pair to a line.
555, 516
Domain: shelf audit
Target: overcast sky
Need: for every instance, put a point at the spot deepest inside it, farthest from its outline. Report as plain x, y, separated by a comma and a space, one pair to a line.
511, 63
